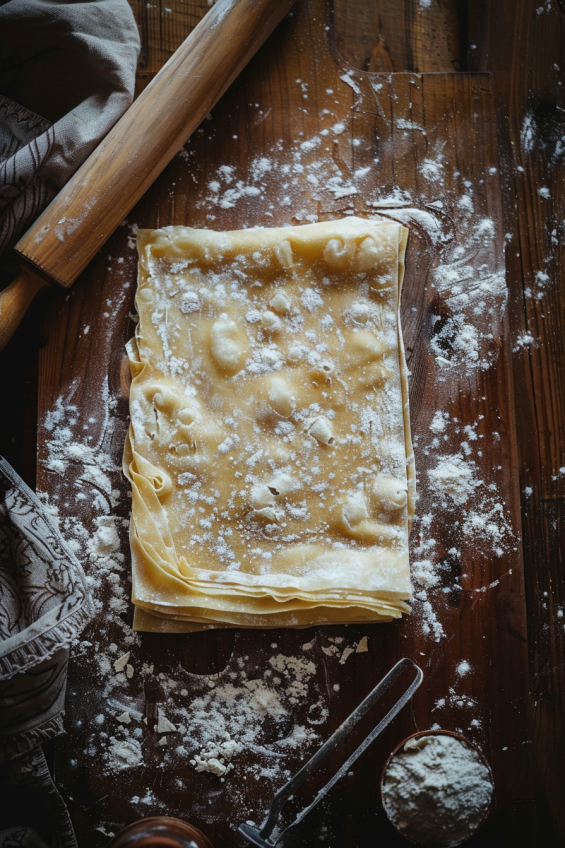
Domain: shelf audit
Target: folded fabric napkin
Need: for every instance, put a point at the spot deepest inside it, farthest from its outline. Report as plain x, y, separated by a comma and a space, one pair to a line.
44, 604
67, 73
76, 63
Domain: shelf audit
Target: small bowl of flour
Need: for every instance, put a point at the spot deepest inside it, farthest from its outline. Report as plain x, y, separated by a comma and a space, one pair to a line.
436, 788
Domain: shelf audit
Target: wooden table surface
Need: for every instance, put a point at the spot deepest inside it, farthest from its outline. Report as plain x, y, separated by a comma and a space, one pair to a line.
520, 44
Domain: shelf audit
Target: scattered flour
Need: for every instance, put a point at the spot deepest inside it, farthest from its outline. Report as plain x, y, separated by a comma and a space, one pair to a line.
432, 169
123, 754
425, 574
251, 724
87, 494
438, 424
248, 722
454, 477
214, 759
456, 343
524, 340
456, 700
230, 718
450, 490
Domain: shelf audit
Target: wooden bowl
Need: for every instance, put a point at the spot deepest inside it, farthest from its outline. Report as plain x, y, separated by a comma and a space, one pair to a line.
160, 832
455, 735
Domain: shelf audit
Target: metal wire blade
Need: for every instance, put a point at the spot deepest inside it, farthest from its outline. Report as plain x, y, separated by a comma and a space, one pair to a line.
266, 838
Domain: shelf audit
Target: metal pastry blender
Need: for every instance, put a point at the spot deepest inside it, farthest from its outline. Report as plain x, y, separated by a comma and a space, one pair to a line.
269, 835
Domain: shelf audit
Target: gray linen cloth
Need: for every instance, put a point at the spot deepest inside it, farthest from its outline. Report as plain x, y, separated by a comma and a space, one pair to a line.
44, 605
75, 56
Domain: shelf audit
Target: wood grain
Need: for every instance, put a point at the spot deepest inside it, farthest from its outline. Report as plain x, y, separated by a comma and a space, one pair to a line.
413, 36
521, 43
392, 125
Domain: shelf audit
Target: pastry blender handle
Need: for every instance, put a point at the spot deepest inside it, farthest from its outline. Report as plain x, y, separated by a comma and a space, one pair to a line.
265, 837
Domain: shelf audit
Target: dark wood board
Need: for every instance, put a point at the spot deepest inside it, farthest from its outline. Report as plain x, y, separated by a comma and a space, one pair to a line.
409, 36
522, 44
403, 120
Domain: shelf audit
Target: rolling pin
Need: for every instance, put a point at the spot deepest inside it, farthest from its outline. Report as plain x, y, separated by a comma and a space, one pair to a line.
101, 193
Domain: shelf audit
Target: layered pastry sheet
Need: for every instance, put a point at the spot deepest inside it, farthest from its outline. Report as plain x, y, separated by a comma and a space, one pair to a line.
269, 448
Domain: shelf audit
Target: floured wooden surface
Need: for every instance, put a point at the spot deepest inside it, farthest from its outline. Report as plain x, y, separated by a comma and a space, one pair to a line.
301, 138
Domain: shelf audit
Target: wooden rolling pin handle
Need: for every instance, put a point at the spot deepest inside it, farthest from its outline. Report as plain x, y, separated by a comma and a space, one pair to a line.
14, 302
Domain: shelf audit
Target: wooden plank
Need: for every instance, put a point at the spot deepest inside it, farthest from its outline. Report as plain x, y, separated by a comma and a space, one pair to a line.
404, 36
426, 142
163, 26
522, 44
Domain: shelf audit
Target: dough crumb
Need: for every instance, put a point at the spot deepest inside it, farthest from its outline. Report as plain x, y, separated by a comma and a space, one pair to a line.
362, 646
120, 664
164, 725
332, 651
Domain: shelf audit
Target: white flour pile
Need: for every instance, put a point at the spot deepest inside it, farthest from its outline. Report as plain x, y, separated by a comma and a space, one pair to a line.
437, 790
243, 720
229, 719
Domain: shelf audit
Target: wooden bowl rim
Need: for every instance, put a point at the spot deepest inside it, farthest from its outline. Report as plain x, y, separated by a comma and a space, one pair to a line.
437, 732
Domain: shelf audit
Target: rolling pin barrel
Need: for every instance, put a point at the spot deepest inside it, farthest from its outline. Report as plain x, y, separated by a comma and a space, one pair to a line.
99, 196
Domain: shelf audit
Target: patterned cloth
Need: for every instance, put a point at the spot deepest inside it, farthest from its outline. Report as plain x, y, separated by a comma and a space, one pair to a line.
90, 48
44, 604
74, 61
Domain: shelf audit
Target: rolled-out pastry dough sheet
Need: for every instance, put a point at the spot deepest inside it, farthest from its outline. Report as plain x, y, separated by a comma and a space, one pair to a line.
269, 449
